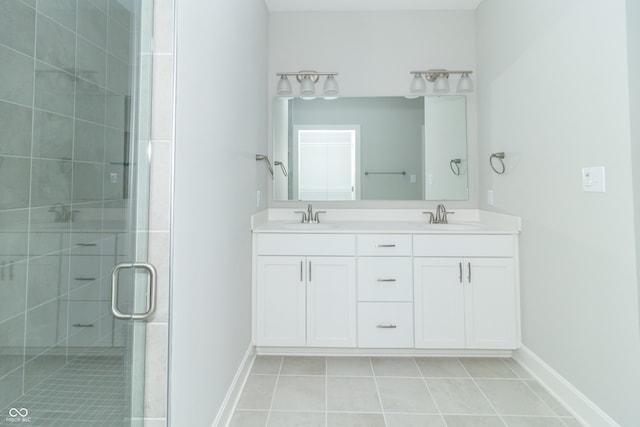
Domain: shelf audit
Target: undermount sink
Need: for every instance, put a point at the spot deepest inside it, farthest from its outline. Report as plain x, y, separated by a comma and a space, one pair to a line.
456, 226
305, 226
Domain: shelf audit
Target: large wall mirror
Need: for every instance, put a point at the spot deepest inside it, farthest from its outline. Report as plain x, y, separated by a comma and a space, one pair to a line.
370, 148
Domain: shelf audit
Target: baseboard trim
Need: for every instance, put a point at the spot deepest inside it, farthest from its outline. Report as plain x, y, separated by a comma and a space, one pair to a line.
583, 409
375, 352
233, 394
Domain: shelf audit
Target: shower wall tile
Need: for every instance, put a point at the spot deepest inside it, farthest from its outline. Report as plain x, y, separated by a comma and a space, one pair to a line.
90, 102
17, 26
160, 198
117, 107
114, 147
162, 110
48, 278
16, 77
15, 129
102, 5
52, 135
91, 62
92, 24
55, 44
118, 12
88, 142
12, 344
13, 285
54, 89
42, 327
163, 19
118, 41
51, 182
31, 3
155, 396
14, 176
87, 181
113, 182
13, 235
11, 386
62, 11
117, 72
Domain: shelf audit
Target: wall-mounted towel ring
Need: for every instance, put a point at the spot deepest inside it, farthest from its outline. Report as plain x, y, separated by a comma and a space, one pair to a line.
266, 159
455, 166
500, 157
279, 163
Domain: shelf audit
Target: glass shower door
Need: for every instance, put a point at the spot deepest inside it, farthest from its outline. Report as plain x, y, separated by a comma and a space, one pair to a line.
75, 80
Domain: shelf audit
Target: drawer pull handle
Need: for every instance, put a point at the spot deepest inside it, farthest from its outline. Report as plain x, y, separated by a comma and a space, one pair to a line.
385, 246
386, 280
460, 277
87, 244
82, 325
85, 279
469, 267
386, 326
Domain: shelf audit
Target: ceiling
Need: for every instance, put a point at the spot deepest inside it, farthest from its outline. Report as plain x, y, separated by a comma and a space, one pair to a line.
368, 5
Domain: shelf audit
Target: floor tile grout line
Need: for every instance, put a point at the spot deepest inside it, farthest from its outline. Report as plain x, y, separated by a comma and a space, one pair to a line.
375, 380
275, 387
482, 392
424, 381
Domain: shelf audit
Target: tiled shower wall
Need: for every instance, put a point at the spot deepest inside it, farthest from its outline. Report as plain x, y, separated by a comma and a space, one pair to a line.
162, 141
64, 91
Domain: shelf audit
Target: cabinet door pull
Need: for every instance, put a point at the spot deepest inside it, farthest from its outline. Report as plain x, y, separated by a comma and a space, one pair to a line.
386, 326
301, 278
309, 270
87, 244
85, 279
386, 280
469, 267
460, 277
385, 246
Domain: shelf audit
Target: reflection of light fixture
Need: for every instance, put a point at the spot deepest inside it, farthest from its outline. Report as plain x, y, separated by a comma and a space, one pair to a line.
440, 78
307, 80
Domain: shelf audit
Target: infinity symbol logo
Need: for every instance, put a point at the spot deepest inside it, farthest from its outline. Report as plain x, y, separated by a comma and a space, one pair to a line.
22, 412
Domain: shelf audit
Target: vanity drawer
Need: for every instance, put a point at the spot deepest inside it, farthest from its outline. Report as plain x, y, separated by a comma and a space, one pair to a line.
385, 325
384, 244
456, 245
385, 279
306, 244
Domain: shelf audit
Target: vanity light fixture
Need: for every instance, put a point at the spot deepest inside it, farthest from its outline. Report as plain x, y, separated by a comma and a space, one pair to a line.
440, 78
307, 80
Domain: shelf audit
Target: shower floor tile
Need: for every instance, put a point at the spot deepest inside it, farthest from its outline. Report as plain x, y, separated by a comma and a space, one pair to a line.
88, 391
396, 392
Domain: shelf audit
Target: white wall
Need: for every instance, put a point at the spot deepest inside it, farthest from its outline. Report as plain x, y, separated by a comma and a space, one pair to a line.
220, 126
373, 53
553, 94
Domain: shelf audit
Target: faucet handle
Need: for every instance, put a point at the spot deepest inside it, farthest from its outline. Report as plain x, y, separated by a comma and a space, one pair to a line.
316, 218
431, 217
304, 216
444, 216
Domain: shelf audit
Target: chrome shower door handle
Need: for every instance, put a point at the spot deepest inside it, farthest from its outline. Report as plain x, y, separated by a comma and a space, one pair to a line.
151, 291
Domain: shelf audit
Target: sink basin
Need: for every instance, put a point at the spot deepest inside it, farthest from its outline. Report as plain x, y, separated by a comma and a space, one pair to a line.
304, 226
459, 226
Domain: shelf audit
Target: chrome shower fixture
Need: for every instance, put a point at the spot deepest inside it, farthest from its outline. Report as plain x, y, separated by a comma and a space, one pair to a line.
440, 79
307, 80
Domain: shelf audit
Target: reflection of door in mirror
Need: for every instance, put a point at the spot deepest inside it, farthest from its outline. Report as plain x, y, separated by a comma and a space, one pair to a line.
327, 162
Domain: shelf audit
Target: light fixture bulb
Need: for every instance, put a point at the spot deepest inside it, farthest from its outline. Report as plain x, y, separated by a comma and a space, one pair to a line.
307, 88
418, 84
465, 84
284, 86
441, 85
330, 88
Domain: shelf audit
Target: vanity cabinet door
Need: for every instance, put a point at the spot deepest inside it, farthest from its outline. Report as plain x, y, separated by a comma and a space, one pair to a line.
331, 302
281, 297
439, 303
491, 301
465, 303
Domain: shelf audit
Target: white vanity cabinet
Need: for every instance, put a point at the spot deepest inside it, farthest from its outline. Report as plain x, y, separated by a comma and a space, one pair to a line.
307, 300
465, 291
385, 291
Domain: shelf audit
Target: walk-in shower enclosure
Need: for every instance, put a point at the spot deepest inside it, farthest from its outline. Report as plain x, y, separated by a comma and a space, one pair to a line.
75, 80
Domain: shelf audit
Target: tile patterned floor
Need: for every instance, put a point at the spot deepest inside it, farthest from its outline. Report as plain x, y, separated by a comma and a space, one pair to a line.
87, 392
394, 392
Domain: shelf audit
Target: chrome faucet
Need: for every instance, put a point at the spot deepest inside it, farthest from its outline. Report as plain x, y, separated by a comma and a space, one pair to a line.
440, 217
308, 217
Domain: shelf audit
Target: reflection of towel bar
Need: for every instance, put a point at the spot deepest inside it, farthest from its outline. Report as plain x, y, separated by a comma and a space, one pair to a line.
385, 173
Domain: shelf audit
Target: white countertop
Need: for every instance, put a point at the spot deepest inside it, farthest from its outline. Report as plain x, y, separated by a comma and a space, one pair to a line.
380, 221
